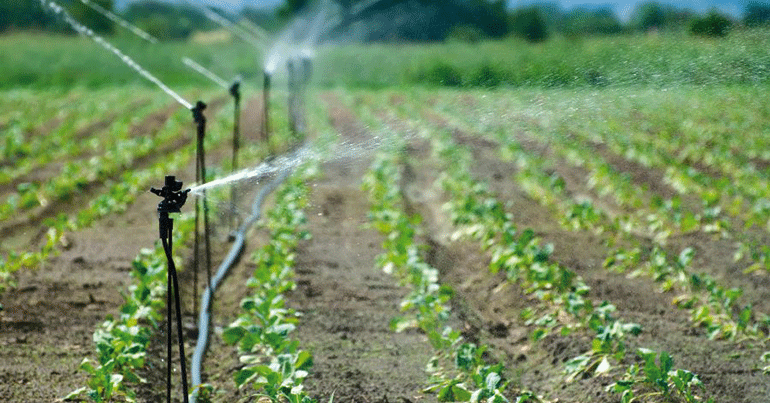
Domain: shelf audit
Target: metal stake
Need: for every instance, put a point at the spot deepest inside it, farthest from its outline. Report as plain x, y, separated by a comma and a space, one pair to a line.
266, 106
235, 91
291, 69
200, 175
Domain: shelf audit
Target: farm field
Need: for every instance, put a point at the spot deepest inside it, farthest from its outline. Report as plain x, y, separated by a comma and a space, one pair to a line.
575, 244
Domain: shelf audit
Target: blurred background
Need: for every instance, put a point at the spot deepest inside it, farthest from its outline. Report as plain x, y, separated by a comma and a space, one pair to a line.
415, 42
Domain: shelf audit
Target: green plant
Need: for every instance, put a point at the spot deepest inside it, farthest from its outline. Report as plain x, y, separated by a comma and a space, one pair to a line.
657, 372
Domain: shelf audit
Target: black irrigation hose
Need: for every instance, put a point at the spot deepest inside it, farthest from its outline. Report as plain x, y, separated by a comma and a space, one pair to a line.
232, 258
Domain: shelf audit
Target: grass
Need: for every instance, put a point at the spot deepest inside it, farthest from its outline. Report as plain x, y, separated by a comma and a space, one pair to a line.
41, 61
669, 59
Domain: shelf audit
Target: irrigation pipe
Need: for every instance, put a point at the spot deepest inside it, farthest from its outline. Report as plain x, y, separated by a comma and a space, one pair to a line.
230, 260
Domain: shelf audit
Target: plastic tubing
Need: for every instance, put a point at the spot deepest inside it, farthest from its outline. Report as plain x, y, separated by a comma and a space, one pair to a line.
230, 260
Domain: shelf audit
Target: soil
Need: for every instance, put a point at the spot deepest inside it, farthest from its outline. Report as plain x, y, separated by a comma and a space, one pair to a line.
347, 303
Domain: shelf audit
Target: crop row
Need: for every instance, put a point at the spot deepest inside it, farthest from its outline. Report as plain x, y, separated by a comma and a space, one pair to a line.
480, 216
458, 370
121, 342
711, 304
37, 133
118, 152
121, 186
273, 363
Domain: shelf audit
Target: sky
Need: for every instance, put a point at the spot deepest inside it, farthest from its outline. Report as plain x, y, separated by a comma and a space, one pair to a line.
622, 8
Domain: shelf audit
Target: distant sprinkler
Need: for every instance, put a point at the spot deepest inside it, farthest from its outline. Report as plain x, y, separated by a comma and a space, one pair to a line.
235, 91
200, 177
266, 85
291, 68
306, 57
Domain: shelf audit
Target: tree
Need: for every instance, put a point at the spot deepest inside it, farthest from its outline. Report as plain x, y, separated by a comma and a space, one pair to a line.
648, 16
92, 18
292, 7
756, 14
713, 24
583, 21
167, 21
528, 24
24, 14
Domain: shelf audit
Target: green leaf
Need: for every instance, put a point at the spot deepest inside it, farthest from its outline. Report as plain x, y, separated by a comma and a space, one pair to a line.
666, 362
465, 356
75, 395
245, 375
232, 335
492, 381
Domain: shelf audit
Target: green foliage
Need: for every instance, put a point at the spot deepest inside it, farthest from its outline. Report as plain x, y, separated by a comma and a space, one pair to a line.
756, 14
167, 21
657, 372
274, 365
528, 24
650, 15
581, 21
465, 33
91, 18
713, 24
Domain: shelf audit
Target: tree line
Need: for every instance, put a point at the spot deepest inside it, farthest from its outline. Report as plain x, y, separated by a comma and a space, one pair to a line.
396, 20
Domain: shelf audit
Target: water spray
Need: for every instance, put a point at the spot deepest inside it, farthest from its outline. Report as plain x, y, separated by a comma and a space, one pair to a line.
173, 200
235, 92
200, 177
85, 31
125, 24
205, 72
229, 25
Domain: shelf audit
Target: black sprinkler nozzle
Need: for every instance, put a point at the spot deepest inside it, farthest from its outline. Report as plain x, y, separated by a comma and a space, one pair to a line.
235, 90
197, 112
173, 195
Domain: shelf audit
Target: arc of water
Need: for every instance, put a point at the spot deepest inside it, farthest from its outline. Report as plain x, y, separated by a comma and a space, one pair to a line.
125, 24
85, 31
227, 24
206, 72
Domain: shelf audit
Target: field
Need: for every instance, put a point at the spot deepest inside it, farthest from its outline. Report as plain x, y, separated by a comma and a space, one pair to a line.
572, 231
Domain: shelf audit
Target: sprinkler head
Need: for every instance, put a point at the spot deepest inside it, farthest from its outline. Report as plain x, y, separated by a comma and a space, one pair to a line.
197, 111
235, 89
173, 196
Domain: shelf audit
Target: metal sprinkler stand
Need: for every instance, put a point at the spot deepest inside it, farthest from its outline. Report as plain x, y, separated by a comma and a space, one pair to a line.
173, 200
292, 72
303, 83
235, 91
200, 177
266, 106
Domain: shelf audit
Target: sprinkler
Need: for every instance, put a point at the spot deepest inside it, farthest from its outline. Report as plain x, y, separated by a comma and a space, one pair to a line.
235, 91
200, 177
268, 75
292, 72
173, 200
304, 82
